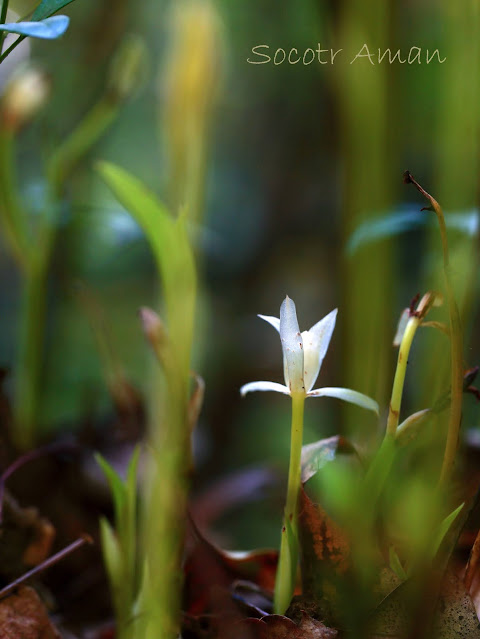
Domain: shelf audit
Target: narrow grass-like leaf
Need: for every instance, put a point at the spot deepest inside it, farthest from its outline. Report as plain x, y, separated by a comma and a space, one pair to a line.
443, 530
130, 531
408, 219
47, 8
171, 248
116, 484
396, 564
48, 29
111, 553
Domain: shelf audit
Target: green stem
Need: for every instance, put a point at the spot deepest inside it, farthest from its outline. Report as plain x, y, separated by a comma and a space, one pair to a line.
413, 323
3, 19
287, 561
30, 357
3, 14
165, 508
8, 51
456, 343
12, 214
89, 130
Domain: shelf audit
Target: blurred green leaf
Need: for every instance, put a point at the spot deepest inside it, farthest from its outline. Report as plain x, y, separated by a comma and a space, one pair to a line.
409, 219
130, 525
443, 530
48, 29
396, 564
111, 552
116, 485
171, 248
47, 8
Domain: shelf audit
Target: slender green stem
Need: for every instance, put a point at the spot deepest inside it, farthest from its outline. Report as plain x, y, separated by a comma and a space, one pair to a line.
3, 19
12, 213
287, 561
35, 257
8, 51
456, 343
30, 356
89, 130
3, 14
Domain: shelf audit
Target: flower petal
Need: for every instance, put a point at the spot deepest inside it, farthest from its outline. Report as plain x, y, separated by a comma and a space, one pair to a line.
274, 321
263, 386
315, 344
292, 346
347, 395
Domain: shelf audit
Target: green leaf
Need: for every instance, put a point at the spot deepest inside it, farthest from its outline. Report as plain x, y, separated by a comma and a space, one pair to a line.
171, 248
111, 553
408, 219
443, 530
47, 8
129, 529
396, 564
131, 479
48, 29
116, 485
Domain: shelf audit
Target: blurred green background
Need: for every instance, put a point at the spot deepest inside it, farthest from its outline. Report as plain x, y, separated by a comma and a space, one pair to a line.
303, 196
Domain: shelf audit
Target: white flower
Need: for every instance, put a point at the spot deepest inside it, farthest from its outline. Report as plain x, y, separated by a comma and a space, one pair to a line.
303, 355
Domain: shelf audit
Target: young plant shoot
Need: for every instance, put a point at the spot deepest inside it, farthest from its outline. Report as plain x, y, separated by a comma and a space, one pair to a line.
303, 355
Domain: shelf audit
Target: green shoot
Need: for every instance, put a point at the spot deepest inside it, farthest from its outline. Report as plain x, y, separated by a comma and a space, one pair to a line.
119, 544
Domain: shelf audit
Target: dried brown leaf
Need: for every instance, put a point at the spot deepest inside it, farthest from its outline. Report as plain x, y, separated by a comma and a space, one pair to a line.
23, 616
280, 627
322, 539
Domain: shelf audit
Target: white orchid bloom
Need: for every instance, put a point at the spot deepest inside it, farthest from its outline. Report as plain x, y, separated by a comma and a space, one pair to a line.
303, 355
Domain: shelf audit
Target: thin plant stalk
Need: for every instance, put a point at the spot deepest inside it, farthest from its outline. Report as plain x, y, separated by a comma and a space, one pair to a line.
456, 343
12, 214
89, 130
3, 19
34, 257
30, 356
287, 561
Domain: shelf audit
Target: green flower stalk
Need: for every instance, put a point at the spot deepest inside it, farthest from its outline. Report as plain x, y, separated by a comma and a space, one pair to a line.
415, 319
303, 354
